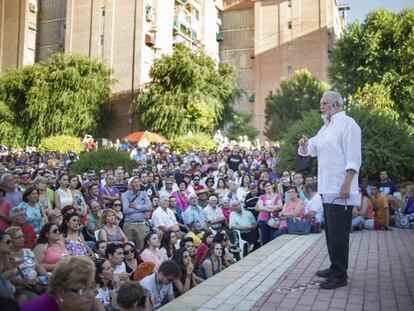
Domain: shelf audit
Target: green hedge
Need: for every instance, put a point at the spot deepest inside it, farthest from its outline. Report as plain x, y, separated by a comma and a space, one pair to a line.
61, 143
102, 159
386, 143
196, 141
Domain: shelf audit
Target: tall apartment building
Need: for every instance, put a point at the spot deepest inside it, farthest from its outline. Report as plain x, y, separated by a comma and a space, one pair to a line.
126, 35
18, 26
269, 39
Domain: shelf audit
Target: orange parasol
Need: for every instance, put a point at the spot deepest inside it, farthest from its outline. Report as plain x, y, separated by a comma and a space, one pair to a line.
149, 136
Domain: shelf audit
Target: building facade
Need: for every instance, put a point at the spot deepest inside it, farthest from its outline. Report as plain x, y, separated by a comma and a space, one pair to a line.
18, 28
270, 39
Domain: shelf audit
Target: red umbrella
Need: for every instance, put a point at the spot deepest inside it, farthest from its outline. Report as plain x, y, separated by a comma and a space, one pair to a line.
149, 136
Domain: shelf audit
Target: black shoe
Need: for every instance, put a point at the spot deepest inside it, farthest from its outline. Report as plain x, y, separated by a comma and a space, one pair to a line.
333, 283
324, 273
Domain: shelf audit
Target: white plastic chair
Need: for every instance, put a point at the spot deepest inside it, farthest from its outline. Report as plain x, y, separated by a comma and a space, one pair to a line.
96, 233
242, 243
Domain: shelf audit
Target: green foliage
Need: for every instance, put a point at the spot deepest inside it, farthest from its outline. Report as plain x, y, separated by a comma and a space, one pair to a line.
62, 96
61, 143
386, 142
197, 141
187, 92
291, 100
380, 50
102, 159
240, 126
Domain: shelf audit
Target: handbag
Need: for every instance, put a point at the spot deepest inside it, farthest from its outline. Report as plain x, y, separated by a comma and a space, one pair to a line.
315, 226
274, 220
299, 227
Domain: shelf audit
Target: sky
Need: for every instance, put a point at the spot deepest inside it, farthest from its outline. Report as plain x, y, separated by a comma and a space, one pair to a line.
359, 8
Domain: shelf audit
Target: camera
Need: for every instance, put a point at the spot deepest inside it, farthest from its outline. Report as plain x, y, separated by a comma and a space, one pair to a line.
405, 221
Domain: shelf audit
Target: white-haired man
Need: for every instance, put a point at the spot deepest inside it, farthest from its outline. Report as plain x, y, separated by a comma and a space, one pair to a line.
338, 148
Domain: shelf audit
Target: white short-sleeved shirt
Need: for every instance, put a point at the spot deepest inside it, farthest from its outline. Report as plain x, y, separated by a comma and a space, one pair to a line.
121, 268
315, 204
158, 291
163, 218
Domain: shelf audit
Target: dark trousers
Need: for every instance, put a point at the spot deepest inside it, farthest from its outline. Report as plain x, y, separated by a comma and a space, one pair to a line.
266, 232
337, 227
250, 237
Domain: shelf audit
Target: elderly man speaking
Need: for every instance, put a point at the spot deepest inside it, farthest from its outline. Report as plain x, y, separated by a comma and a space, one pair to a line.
338, 148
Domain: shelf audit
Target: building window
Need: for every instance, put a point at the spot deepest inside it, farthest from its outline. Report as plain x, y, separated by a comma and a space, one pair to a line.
103, 11
289, 25
101, 39
290, 70
289, 3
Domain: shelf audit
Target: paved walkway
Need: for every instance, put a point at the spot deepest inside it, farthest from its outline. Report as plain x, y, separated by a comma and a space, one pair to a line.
279, 276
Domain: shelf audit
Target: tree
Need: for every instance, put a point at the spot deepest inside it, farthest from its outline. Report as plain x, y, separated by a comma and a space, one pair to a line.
386, 142
62, 96
240, 126
291, 100
186, 93
380, 50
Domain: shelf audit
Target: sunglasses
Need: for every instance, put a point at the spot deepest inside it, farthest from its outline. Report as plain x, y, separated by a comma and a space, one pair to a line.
127, 252
55, 231
117, 204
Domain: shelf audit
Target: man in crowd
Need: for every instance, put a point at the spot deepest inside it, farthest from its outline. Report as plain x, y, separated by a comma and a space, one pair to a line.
215, 217
163, 218
234, 159
338, 148
194, 212
136, 204
244, 221
119, 182
13, 195
380, 205
195, 233
108, 192
251, 199
386, 186
313, 203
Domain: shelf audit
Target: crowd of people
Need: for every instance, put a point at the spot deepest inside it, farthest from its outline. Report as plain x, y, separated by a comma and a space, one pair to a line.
124, 240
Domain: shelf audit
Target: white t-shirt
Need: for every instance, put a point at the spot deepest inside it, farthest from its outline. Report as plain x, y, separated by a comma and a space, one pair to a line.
104, 296
121, 268
315, 204
163, 218
158, 291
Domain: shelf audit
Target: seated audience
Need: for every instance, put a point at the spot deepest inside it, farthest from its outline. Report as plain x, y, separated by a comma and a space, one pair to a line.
110, 231
115, 254
194, 212
131, 258
195, 233
244, 221
214, 214
49, 249
168, 242
313, 203
35, 215
131, 296
163, 218
151, 251
188, 278
18, 219
92, 219
212, 263
107, 287
206, 242
74, 240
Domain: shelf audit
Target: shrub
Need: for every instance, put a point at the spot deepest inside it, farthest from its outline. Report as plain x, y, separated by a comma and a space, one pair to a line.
103, 159
61, 143
196, 141
386, 143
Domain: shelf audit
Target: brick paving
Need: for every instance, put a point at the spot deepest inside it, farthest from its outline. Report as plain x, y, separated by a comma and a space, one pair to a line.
380, 273
381, 267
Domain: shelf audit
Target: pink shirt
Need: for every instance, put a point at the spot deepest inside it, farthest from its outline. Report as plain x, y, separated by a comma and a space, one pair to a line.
53, 256
264, 216
157, 258
182, 202
5, 208
290, 208
227, 212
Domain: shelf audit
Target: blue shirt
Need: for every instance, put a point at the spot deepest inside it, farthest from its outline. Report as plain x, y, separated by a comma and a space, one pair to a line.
136, 214
15, 198
195, 213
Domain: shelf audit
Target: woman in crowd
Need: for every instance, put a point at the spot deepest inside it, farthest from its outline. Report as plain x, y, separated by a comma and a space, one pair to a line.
100, 248
74, 240
221, 189
188, 278
93, 218
40, 185
210, 185
294, 208
268, 202
6, 288
93, 194
26, 276
35, 215
71, 288
131, 296
226, 209
207, 240
107, 287
168, 241
131, 258
151, 251
212, 261
63, 196
110, 231
49, 249
78, 201
5, 207
227, 257
244, 187
117, 207
181, 195
55, 217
